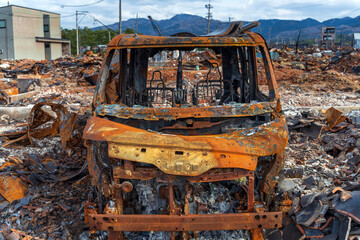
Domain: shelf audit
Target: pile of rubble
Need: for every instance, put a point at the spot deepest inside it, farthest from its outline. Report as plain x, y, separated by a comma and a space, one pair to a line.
43, 165
324, 156
325, 73
26, 82
43, 169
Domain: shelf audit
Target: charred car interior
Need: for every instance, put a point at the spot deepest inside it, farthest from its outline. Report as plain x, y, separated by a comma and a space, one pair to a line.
157, 139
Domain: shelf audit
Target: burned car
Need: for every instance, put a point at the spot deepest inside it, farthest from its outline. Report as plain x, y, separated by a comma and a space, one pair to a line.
161, 137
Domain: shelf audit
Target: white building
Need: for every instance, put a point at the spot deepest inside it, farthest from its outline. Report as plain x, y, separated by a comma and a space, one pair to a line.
30, 33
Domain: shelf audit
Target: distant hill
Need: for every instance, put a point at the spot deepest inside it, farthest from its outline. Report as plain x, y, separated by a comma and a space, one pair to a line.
273, 28
178, 23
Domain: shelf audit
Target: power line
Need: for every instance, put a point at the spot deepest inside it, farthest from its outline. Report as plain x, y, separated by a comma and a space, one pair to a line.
348, 14
83, 5
97, 20
153, 9
108, 29
86, 13
83, 16
307, 6
68, 15
209, 15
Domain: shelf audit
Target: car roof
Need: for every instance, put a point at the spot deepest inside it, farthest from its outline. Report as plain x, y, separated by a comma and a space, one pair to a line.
147, 41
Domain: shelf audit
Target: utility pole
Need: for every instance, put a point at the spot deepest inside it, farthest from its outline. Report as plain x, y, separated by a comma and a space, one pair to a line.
341, 37
269, 36
77, 34
120, 16
137, 19
297, 43
77, 29
209, 15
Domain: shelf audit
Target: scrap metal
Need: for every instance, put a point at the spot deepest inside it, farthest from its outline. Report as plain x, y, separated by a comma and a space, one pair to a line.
47, 119
333, 117
130, 139
11, 187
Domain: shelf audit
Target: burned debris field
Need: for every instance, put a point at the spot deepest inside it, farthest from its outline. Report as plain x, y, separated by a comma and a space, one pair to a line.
182, 137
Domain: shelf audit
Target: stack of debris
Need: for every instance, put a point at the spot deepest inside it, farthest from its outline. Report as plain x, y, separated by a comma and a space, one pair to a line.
325, 195
332, 215
43, 171
330, 73
23, 80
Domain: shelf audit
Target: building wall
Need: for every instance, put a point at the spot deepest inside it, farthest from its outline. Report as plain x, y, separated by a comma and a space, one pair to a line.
23, 25
55, 24
28, 24
6, 34
56, 50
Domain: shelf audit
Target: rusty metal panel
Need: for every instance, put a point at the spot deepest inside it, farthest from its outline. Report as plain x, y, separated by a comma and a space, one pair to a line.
145, 41
154, 114
49, 119
197, 222
189, 155
12, 188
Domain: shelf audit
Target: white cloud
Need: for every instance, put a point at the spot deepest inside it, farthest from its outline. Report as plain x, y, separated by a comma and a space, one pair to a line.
107, 11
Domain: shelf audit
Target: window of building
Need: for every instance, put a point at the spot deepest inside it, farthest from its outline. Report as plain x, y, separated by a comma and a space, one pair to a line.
46, 28
2, 23
46, 25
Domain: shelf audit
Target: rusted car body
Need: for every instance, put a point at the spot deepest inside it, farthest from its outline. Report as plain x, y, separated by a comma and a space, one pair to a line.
215, 130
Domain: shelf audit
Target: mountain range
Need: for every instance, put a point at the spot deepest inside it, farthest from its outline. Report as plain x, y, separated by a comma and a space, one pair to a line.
269, 28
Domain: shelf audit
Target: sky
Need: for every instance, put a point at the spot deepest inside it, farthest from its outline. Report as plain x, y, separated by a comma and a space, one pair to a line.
107, 11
